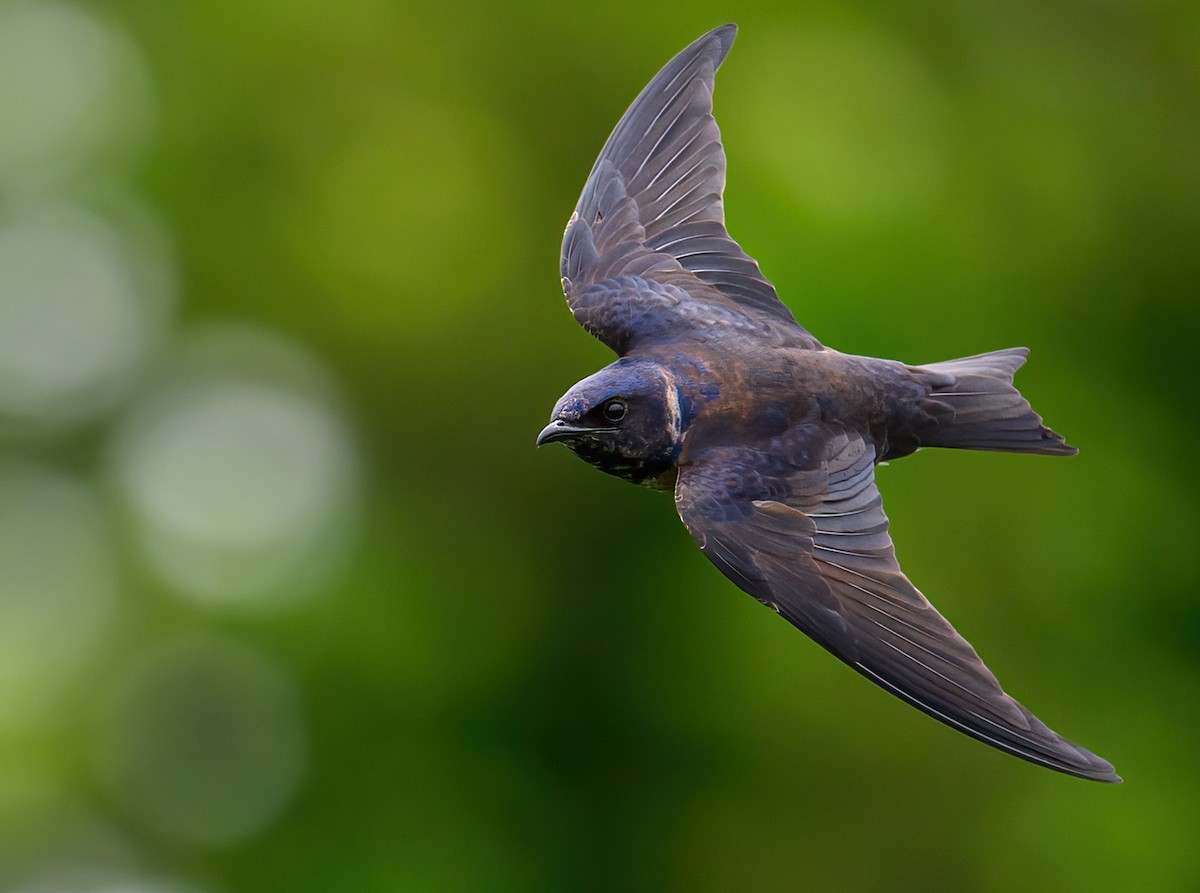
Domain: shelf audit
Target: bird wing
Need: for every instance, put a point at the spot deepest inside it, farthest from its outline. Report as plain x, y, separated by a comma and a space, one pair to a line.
808, 536
649, 229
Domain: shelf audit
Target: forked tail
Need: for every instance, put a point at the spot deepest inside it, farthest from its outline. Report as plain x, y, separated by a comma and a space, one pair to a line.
972, 405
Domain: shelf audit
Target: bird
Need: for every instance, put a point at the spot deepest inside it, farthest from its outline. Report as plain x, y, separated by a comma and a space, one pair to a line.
769, 439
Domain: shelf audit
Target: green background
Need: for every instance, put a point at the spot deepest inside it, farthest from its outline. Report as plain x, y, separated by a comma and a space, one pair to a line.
523, 675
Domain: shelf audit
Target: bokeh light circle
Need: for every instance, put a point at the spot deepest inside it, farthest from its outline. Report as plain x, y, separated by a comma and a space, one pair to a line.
75, 320
73, 92
238, 471
202, 740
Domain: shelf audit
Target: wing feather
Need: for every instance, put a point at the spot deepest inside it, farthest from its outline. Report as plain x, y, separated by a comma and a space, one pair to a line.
812, 541
652, 208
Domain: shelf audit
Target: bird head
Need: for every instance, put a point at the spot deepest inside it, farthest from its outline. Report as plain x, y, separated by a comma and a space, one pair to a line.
625, 420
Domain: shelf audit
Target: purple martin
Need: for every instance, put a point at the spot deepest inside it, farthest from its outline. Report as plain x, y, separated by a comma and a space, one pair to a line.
768, 438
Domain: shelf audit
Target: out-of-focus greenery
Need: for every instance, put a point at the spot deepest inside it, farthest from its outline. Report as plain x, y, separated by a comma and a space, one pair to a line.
403, 650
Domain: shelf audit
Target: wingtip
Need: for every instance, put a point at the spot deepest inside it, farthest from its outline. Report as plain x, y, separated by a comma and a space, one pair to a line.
726, 34
1084, 764
1104, 775
723, 37
1108, 776
1104, 771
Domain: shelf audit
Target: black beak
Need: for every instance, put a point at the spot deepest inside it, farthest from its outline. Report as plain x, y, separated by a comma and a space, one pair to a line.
561, 430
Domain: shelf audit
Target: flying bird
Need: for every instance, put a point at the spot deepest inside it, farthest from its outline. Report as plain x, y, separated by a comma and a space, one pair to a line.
768, 438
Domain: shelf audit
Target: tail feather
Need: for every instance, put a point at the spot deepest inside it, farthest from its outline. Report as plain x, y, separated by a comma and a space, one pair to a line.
972, 404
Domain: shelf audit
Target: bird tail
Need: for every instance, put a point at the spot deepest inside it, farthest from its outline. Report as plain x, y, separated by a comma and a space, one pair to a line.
972, 405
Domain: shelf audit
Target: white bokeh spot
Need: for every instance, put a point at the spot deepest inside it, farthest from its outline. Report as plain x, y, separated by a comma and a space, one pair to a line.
239, 480
72, 91
74, 323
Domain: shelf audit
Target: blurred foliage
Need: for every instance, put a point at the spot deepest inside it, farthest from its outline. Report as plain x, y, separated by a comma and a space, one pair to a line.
513, 673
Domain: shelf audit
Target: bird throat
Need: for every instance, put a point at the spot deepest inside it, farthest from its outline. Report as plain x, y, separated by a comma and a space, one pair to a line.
657, 472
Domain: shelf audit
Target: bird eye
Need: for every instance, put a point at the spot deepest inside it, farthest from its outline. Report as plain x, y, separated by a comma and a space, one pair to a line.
613, 410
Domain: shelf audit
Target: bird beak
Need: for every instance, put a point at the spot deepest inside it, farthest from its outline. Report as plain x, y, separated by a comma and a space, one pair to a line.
561, 430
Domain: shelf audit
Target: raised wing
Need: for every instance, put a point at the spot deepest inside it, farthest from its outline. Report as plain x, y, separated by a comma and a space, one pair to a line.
650, 220
808, 537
